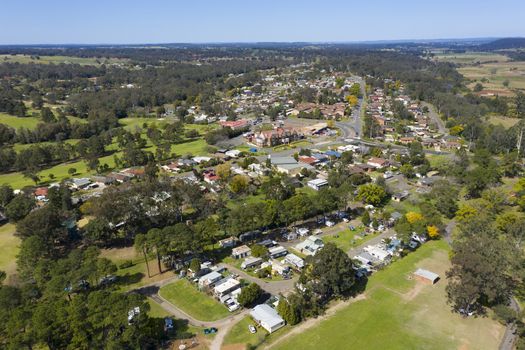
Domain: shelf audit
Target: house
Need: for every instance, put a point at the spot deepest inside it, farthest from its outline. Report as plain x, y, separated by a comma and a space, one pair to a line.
234, 153
235, 124
426, 276
310, 246
333, 154
427, 181
251, 262
209, 279
377, 252
279, 268
267, 317
210, 176
277, 251
308, 160
377, 163
294, 261
275, 137
80, 183
367, 259
172, 167
201, 159
317, 184
400, 196
229, 242
41, 193
289, 165
241, 252
225, 287
103, 180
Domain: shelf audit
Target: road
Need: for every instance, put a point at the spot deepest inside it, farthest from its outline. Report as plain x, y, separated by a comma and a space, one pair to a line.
271, 287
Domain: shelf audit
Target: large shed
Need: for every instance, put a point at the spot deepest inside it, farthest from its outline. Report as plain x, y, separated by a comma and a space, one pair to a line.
426, 276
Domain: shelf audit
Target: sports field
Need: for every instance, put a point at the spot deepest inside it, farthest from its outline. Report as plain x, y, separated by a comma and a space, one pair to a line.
400, 313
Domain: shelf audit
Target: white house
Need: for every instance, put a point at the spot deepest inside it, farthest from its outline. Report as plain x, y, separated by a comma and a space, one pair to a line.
225, 287
241, 252
277, 251
209, 279
250, 262
267, 317
317, 184
377, 163
310, 245
234, 153
294, 261
279, 268
377, 252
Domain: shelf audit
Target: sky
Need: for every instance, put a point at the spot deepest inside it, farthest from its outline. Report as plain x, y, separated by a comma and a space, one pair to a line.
206, 21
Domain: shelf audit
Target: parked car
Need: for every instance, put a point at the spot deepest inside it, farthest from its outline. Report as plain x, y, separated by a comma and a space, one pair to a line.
329, 223
252, 329
211, 330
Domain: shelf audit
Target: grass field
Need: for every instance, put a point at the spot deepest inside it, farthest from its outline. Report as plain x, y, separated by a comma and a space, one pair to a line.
194, 302
506, 122
495, 67
18, 122
401, 313
347, 239
9, 247
24, 59
239, 333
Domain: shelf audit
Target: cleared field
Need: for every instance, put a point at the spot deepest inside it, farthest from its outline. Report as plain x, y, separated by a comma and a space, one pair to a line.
18, 122
347, 239
9, 247
19, 58
401, 313
470, 57
194, 302
506, 122
240, 335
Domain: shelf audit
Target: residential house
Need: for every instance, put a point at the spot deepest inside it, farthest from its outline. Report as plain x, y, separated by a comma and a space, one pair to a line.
229, 242
225, 287
310, 246
294, 261
277, 251
235, 124
377, 163
289, 165
317, 184
209, 279
400, 196
267, 317
279, 268
251, 262
210, 176
241, 252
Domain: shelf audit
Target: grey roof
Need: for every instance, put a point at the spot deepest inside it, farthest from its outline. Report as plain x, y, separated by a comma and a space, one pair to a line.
427, 274
266, 314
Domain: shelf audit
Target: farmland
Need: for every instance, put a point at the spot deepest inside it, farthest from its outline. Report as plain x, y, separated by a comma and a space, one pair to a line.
397, 308
9, 247
24, 59
493, 71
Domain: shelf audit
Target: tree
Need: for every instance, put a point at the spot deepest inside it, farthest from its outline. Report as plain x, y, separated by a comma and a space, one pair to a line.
371, 194
141, 245
433, 232
249, 294
195, 265
223, 171
2, 277
239, 183
413, 217
479, 275
288, 311
407, 170
259, 251
329, 273
365, 218
6, 195
71, 171
19, 207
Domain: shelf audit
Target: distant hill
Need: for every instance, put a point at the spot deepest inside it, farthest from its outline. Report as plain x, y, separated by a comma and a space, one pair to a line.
504, 44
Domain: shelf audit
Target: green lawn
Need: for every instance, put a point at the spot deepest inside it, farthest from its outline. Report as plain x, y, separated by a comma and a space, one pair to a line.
239, 333
9, 247
24, 59
347, 239
156, 310
185, 296
400, 313
18, 122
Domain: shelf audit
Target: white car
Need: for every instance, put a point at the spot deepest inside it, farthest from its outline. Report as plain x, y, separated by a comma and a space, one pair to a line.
329, 223
252, 329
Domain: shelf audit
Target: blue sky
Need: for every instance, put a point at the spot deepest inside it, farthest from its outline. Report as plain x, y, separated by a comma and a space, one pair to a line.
162, 21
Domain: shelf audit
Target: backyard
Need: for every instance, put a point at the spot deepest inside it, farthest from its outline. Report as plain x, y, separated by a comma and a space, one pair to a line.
9, 247
397, 308
195, 303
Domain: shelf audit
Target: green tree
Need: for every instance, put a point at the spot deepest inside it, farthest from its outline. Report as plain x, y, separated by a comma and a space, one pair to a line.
141, 245
259, 251
19, 207
249, 294
371, 194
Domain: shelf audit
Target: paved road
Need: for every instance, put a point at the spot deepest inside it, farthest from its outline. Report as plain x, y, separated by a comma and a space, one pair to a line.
272, 287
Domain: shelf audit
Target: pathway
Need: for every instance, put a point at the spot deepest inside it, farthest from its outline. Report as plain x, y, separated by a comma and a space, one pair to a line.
272, 287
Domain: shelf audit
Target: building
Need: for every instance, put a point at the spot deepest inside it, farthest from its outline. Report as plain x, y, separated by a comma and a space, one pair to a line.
400, 196
241, 252
277, 252
310, 246
279, 268
235, 124
267, 317
225, 287
229, 242
289, 165
209, 279
80, 183
426, 276
294, 261
377, 163
251, 262
377, 252
317, 184
275, 137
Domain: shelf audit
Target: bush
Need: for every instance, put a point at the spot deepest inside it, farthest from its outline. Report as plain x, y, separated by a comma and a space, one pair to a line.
126, 264
504, 314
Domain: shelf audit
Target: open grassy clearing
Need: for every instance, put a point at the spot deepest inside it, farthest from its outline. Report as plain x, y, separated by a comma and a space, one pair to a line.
185, 296
506, 122
239, 334
347, 239
24, 59
470, 57
9, 247
401, 313
18, 122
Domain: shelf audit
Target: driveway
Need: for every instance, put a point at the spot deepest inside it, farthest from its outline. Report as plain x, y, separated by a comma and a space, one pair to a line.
271, 287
